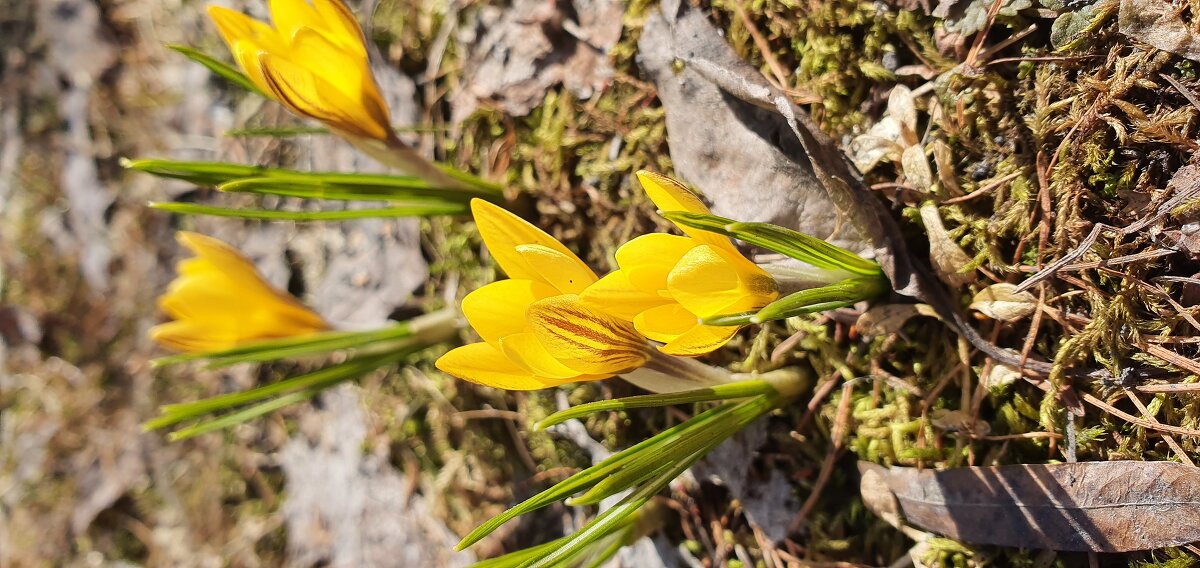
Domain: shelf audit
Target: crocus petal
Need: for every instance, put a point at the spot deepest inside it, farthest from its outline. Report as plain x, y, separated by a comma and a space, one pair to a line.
308, 95
481, 363
647, 260
498, 309
584, 339
503, 232
699, 340
526, 351
616, 295
246, 37
563, 271
709, 281
665, 323
291, 16
191, 337
340, 25
219, 301
670, 195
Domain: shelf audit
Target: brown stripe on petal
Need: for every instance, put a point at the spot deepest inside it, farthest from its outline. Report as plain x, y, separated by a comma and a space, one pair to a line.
590, 341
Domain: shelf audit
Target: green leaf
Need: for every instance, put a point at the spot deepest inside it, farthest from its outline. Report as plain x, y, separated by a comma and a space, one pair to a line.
424, 210
222, 69
290, 347
383, 188
845, 293
608, 521
696, 437
839, 295
208, 174
277, 131
519, 557
613, 519
175, 413
739, 389
233, 419
791, 243
582, 480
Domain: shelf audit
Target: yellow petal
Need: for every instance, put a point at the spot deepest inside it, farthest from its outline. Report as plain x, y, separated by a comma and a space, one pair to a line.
665, 323
246, 37
584, 339
481, 363
527, 352
498, 309
670, 195
291, 16
306, 94
709, 281
220, 301
503, 232
616, 295
340, 25
191, 337
647, 260
699, 340
563, 271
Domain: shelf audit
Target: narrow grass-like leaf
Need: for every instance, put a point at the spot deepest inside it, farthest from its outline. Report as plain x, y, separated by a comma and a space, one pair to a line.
305, 216
175, 413
605, 523
199, 173
791, 243
847, 293
226, 71
411, 190
519, 557
289, 131
696, 438
612, 519
838, 295
290, 347
277, 131
738, 389
245, 415
583, 480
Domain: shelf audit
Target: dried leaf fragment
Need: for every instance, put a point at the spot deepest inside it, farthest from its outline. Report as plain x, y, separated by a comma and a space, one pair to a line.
1116, 506
1001, 375
1002, 302
1157, 23
886, 319
947, 257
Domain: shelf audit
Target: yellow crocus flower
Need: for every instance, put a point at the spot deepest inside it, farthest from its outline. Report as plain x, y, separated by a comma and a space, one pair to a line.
314, 62
220, 301
666, 284
536, 330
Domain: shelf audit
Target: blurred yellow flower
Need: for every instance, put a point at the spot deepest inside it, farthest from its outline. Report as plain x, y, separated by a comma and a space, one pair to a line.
667, 283
220, 301
536, 331
313, 61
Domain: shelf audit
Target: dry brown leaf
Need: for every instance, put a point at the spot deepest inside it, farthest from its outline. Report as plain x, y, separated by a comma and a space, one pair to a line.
916, 168
945, 254
903, 107
958, 421
1116, 506
886, 319
1159, 24
888, 138
737, 150
1001, 302
1001, 375
943, 157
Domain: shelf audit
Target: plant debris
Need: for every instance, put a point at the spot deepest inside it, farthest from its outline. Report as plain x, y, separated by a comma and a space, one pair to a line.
1117, 506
